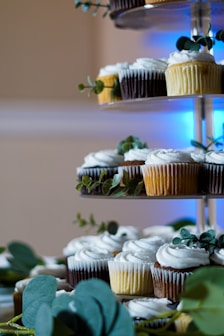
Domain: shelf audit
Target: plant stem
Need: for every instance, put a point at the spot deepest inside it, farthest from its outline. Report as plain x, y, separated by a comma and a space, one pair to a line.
17, 329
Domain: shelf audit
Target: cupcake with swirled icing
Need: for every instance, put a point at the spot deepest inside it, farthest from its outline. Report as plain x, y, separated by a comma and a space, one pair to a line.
89, 262
144, 78
193, 72
109, 75
146, 308
170, 172
130, 273
110, 242
212, 174
95, 163
150, 244
174, 263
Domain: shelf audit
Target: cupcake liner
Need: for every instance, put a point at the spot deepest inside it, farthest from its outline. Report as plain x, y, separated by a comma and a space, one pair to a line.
119, 5
213, 178
105, 96
130, 278
141, 83
158, 323
133, 172
171, 179
182, 323
193, 78
83, 270
94, 173
168, 283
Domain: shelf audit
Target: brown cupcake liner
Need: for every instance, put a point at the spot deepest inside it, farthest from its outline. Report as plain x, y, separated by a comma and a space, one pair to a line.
142, 83
212, 178
168, 283
171, 179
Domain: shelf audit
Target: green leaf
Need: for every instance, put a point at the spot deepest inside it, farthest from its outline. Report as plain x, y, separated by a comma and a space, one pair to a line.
205, 304
100, 291
213, 274
180, 223
185, 234
176, 240
41, 289
112, 227
123, 325
44, 321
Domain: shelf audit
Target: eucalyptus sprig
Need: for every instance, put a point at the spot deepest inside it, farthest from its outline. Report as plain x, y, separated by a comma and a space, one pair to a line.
87, 5
110, 226
198, 41
213, 142
97, 86
206, 240
130, 142
112, 186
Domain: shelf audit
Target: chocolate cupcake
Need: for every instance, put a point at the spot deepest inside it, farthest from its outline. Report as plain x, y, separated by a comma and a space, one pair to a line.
212, 173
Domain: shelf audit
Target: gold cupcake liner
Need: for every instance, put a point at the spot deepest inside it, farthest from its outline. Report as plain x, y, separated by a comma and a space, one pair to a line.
130, 278
193, 78
171, 179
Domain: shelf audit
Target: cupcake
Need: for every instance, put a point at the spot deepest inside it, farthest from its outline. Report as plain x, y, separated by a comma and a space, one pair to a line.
174, 263
130, 273
212, 174
97, 162
117, 6
150, 244
133, 159
89, 262
193, 72
165, 232
217, 257
143, 309
144, 78
62, 285
77, 244
169, 172
128, 232
109, 75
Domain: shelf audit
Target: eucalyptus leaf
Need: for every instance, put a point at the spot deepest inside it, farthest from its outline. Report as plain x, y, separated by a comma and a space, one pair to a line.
123, 324
100, 291
41, 289
44, 321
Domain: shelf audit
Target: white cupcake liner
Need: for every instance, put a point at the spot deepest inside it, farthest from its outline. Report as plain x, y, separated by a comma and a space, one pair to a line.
133, 172
168, 283
171, 179
89, 266
130, 278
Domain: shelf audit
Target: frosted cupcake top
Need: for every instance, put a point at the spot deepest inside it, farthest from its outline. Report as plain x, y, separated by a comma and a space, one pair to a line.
147, 307
113, 69
214, 157
182, 256
78, 243
218, 256
139, 154
165, 232
140, 257
184, 56
57, 270
149, 64
129, 232
165, 156
91, 254
103, 158
148, 244
21, 284
109, 242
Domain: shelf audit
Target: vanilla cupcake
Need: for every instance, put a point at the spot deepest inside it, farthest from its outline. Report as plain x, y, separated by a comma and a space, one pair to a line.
109, 75
110, 242
150, 244
174, 263
130, 273
97, 162
143, 309
169, 172
212, 175
143, 78
89, 262
193, 72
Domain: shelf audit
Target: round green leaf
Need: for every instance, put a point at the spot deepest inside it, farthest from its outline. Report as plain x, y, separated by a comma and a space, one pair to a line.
123, 325
44, 321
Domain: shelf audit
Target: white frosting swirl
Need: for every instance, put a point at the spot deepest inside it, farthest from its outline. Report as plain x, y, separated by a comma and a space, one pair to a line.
184, 56
136, 154
214, 157
78, 243
149, 244
56, 270
109, 242
140, 257
91, 254
218, 256
129, 232
61, 284
147, 307
103, 158
181, 256
113, 69
166, 156
149, 64
165, 232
